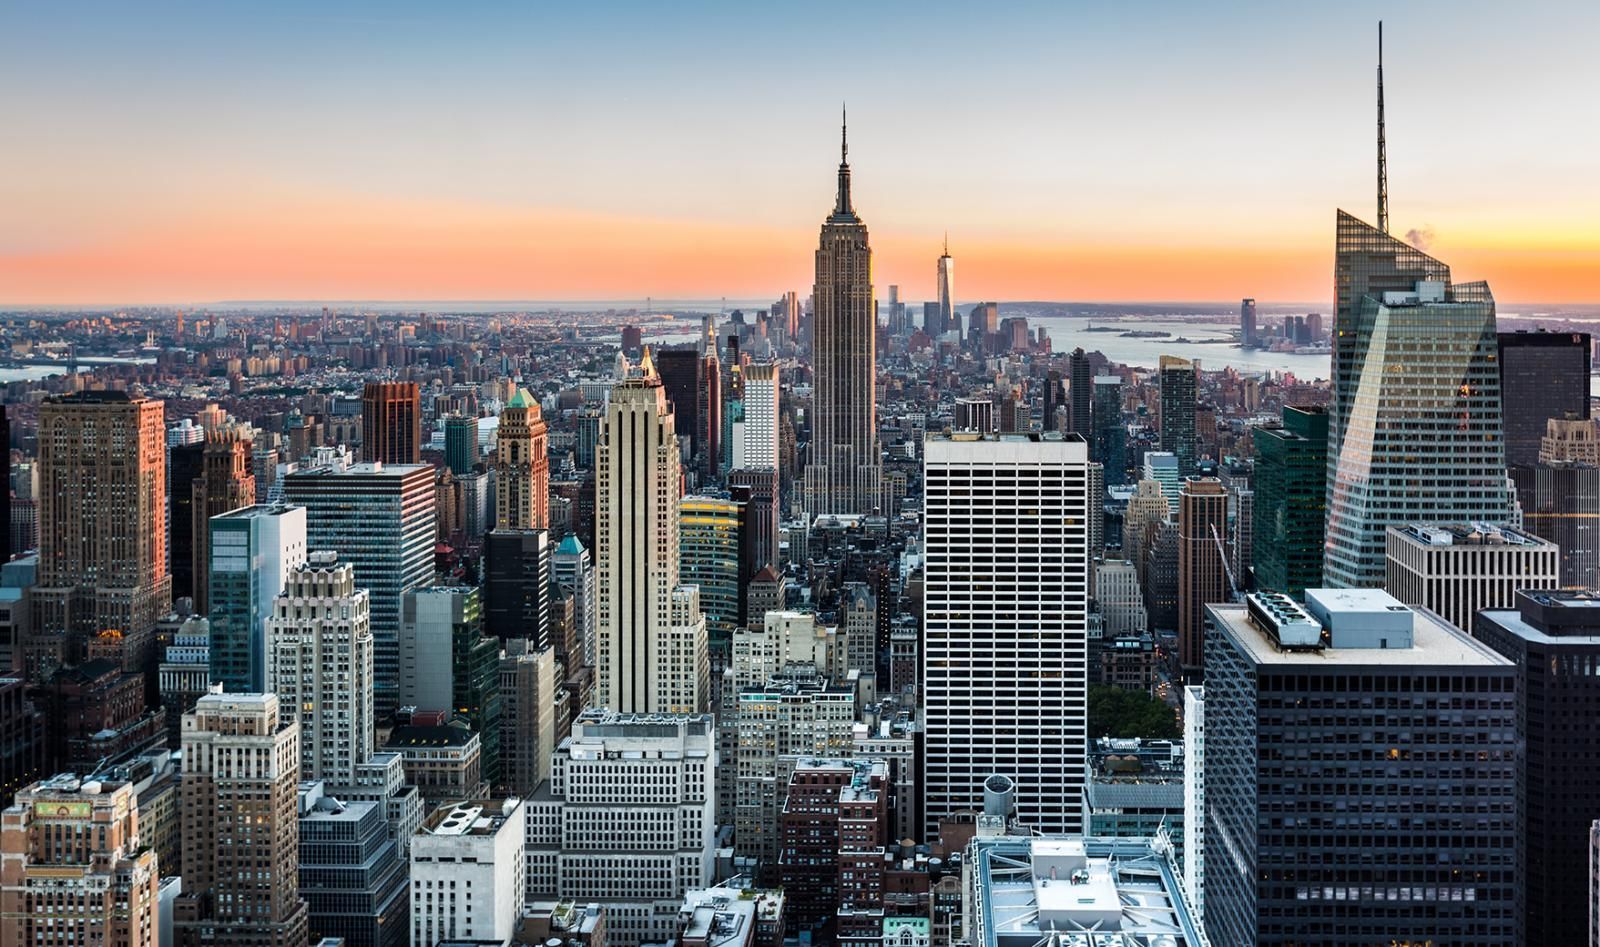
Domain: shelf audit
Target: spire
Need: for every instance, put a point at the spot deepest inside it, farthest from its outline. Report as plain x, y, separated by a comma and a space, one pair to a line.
947, 243
841, 206
1383, 148
647, 365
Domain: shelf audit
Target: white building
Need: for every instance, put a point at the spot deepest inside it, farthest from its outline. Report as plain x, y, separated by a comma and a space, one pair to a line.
467, 873
573, 571
755, 444
1006, 623
651, 641
627, 820
1194, 800
319, 660
1116, 588
1457, 569
428, 622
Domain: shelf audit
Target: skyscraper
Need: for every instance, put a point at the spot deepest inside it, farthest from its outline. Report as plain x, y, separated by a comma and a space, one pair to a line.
1291, 500
241, 768
1543, 375
461, 442
844, 473
1280, 686
947, 291
1080, 396
225, 484
527, 715
380, 519
516, 585
649, 661
391, 422
319, 641
573, 572
1110, 444
522, 466
1177, 411
1415, 432
713, 555
682, 373
758, 448
1202, 564
1560, 498
254, 551
185, 463
1247, 323
102, 519
1005, 661
447, 663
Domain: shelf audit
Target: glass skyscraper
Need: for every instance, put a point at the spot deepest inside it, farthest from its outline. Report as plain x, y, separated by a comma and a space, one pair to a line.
1415, 433
1543, 375
1291, 500
1177, 411
253, 551
1110, 440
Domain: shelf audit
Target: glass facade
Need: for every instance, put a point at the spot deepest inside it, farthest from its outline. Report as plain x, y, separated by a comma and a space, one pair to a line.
460, 444
1543, 375
709, 539
1561, 502
1290, 501
1415, 432
1110, 435
1177, 411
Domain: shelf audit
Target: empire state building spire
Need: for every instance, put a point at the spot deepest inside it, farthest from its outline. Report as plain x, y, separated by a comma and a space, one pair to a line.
842, 211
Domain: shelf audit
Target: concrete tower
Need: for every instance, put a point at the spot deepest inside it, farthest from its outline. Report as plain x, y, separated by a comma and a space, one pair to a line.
522, 466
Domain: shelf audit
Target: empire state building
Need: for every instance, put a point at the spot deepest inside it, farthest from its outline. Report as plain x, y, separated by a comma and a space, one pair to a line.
843, 472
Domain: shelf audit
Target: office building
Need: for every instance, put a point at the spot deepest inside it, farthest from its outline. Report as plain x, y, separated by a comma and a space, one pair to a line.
1021, 891
528, 700
1560, 502
379, 518
1080, 397
713, 555
945, 286
975, 414
448, 664
22, 739
225, 484
1005, 662
185, 463
241, 837
627, 821
645, 661
443, 762
1178, 436
1202, 564
319, 646
1109, 446
763, 501
1552, 639
1134, 789
1456, 569
352, 874
1543, 375
517, 572
1415, 431
461, 443
1293, 763
522, 466
683, 378
391, 423
758, 448
1247, 323
574, 573
253, 552
843, 473
1164, 468
72, 869
467, 873
1290, 485
834, 829
1194, 799
102, 520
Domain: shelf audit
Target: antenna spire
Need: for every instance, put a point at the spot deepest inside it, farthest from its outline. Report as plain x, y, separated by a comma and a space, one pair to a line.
947, 243
842, 210
1383, 147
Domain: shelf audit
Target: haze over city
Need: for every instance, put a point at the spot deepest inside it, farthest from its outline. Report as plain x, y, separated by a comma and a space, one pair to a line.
189, 153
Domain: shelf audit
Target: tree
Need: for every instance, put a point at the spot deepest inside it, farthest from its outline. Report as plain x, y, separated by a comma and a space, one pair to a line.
1114, 712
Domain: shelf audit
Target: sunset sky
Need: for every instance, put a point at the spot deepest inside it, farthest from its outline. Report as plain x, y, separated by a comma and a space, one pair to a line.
181, 153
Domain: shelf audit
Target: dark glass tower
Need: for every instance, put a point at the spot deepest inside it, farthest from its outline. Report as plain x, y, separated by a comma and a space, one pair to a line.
1291, 500
1110, 443
1543, 375
1177, 411
460, 444
1080, 394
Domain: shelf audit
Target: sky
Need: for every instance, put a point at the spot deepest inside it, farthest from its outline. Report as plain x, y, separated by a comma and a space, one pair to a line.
183, 153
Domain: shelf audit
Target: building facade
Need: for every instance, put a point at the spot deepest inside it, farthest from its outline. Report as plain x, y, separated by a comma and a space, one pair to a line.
1543, 376
253, 552
522, 466
1202, 564
1457, 569
391, 423
1290, 485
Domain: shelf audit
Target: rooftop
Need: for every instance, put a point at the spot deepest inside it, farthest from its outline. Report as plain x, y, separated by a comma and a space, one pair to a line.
1466, 534
1434, 641
470, 817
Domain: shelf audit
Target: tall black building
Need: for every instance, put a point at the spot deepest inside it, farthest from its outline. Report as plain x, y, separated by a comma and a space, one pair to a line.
185, 464
5, 486
1080, 395
1553, 638
682, 373
352, 875
1561, 502
1177, 411
1543, 375
516, 584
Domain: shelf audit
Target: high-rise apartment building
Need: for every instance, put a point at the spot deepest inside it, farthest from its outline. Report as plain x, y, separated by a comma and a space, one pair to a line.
946, 287
319, 645
1202, 564
379, 518
1005, 660
1110, 444
241, 837
102, 520
522, 466
647, 661
1291, 475
844, 472
254, 551
391, 423
629, 821
225, 484
1415, 430
1543, 375
833, 829
1177, 411
73, 869
1297, 768
1455, 569
467, 873
758, 448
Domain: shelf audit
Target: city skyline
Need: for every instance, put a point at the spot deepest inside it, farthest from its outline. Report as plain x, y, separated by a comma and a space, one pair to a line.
517, 154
